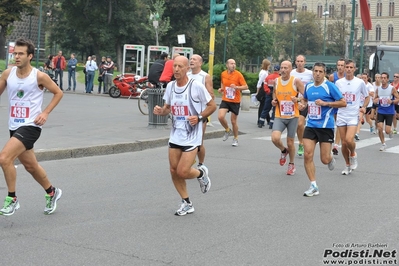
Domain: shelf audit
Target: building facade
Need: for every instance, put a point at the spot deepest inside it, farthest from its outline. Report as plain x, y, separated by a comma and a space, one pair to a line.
384, 16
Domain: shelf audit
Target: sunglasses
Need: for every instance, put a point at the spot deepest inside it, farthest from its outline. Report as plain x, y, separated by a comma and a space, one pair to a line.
396, 76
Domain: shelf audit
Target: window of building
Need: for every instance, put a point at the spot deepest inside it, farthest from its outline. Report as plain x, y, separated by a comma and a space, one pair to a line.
320, 10
343, 10
391, 8
378, 33
390, 33
304, 8
366, 35
331, 10
379, 8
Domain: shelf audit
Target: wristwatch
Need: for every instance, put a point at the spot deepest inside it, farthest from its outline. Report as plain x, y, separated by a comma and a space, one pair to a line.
200, 118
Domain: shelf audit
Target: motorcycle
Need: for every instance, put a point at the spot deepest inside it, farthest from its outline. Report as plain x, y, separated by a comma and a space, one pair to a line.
127, 85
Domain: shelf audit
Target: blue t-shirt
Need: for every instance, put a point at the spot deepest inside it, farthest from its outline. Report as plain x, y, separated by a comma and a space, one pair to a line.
321, 116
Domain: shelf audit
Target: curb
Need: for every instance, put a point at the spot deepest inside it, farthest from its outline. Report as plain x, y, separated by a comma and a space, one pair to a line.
98, 150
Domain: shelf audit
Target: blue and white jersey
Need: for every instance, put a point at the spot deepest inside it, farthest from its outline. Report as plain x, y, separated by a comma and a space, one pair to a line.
321, 116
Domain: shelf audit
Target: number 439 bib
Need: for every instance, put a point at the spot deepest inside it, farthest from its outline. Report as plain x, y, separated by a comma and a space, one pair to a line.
20, 109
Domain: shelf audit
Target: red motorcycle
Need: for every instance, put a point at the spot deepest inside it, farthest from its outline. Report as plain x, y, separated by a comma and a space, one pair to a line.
127, 85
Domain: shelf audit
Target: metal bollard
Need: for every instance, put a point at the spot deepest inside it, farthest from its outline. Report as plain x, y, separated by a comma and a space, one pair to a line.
245, 100
155, 97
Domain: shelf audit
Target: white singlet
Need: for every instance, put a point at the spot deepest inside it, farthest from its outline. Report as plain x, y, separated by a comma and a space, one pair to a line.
184, 102
25, 99
352, 91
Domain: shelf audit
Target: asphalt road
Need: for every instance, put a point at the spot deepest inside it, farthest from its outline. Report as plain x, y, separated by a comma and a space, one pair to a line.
117, 208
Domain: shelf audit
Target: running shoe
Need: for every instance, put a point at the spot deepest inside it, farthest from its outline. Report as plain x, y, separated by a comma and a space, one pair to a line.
335, 149
395, 132
357, 137
300, 150
227, 134
283, 158
383, 147
353, 162
390, 135
347, 170
205, 182
235, 142
312, 191
291, 169
51, 201
185, 208
331, 164
11, 204
372, 130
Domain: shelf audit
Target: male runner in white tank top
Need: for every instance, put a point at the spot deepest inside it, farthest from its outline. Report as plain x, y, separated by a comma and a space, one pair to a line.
351, 88
190, 104
198, 74
25, 86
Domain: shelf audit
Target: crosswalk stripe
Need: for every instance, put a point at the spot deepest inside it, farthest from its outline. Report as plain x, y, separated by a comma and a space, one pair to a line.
359, 144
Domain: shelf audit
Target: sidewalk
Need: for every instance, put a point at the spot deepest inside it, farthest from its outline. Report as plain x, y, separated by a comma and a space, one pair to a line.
96, 124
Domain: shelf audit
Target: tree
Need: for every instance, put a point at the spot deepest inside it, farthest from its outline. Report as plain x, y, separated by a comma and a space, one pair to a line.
11, 11
337, 31
157, 14
252, 39
308, 38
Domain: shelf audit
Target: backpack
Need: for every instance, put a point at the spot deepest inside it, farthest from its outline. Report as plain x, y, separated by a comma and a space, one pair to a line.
260, 96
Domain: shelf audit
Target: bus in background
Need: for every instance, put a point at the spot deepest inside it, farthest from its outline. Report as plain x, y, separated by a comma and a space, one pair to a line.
385, 59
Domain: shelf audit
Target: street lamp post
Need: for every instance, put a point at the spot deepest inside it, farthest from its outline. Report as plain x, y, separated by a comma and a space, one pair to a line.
325, 14
352, 30
294, 21
226, 30
38, 35
155, 23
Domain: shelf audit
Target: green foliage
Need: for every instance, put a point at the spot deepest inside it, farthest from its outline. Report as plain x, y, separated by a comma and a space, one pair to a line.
252, 80
308, 35
253, 39
157, 10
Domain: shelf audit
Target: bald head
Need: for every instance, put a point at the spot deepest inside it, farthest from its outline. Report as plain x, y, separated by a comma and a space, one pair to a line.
180, 68
285, 70
195, 63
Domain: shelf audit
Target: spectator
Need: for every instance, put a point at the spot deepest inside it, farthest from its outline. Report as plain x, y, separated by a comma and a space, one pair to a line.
156, 69
72, 72
59, 64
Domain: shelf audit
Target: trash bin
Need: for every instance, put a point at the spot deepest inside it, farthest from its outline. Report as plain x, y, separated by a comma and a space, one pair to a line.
155, 96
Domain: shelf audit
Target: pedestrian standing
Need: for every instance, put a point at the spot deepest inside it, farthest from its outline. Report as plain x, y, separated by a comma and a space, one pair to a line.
59, 64
72, 62
91, 67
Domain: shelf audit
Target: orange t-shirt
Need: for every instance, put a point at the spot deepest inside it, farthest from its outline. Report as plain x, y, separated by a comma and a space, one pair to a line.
286, 108
227, 79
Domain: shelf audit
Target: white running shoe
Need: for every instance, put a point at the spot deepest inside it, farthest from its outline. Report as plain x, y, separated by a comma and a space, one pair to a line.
235, 143
205, 182
383, 147
227, 135
353, 161
347, 170
331, 165
185, 208
312, 191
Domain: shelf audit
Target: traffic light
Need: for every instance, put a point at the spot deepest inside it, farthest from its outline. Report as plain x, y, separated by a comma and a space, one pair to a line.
219, 12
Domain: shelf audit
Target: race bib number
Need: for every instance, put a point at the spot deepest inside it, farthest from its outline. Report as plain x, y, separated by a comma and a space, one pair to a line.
314, 111
384, 102
20, 109
287, 108
349, 97
230, 93
180, 112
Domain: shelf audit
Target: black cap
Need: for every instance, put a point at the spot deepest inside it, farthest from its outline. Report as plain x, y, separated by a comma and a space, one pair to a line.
276, 68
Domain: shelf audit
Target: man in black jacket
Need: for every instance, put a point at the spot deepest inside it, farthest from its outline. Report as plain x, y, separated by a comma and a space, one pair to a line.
156, 69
